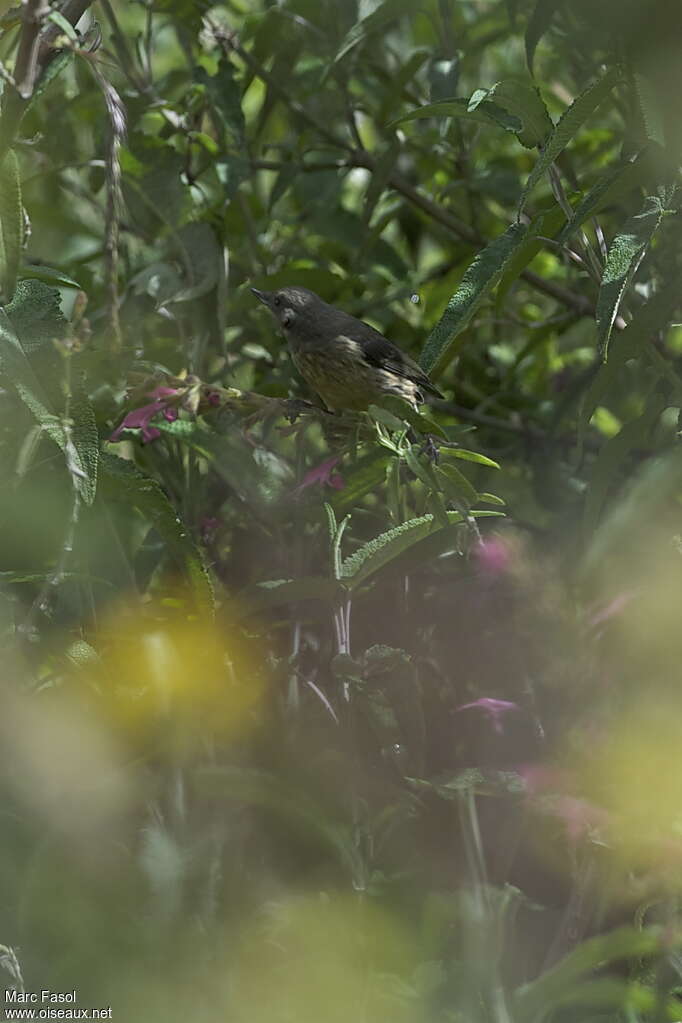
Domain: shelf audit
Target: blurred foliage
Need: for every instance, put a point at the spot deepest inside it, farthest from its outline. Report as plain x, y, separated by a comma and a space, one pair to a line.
313, 716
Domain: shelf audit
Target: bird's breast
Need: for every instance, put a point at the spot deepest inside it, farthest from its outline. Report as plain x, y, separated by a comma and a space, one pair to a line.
338, 371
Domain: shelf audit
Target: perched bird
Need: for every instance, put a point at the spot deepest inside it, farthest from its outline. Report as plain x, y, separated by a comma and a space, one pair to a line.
347, 362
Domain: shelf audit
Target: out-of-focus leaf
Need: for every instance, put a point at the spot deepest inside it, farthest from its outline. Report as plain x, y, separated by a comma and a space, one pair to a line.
277, 592
225, 97
11, 224
625, 254
569, 125
123, 481
477, 283
443, 79
381, 173
538, 999
650, 109
611, 458
294, 806
631, 342
363, 477
381, 16
484, 112
201, 256
538, 23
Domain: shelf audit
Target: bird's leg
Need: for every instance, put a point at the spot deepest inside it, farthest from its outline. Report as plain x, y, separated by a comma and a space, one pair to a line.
430, 448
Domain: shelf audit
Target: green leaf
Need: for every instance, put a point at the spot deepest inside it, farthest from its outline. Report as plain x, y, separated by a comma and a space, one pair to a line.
456, 485
201, 254
381, 16
386, 547
523, 100
363, 477
11, 224
616, 181
277, 592
292, 804
538, 999
625, 254
420, 421
611, 457
477, 283
545, 224
79, 442
48, 275
123, 481
469, 456
632, 342
539, 22
650, 108
570, 123
484, 112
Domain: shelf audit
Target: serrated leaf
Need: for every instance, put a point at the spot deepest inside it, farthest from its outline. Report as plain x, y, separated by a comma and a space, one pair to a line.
650, 109
614, 182
123, 481
485, 112
477, 283
385, 548
538, 23
632, 342
545, 224
79, 443
11, 224
625, 254
569, 125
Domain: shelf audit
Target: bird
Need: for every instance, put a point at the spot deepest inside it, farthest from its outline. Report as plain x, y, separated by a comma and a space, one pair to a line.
349, 364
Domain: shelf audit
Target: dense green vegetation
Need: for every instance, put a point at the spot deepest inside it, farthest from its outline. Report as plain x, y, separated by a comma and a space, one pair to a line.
367, 716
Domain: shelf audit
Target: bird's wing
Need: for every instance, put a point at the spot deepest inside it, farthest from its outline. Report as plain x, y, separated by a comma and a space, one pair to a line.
381, 352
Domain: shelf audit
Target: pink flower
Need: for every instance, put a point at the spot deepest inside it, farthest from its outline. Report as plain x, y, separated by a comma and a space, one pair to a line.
322, 473
140, 418
579, 816
494, 709
493, 555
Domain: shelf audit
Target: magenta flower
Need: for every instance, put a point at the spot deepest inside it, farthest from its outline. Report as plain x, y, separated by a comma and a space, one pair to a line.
493, 555
579, 817
140, 418
492, 708
324, 474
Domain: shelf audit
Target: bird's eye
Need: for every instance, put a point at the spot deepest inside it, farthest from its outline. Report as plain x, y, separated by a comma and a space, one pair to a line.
277, 300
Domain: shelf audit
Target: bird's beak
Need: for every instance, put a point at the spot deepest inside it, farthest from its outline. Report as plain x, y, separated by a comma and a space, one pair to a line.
264, 296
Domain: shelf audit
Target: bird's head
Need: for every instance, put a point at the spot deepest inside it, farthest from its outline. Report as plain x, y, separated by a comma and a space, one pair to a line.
296, 309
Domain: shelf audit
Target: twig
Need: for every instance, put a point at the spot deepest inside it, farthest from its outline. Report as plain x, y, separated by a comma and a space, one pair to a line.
27, 67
